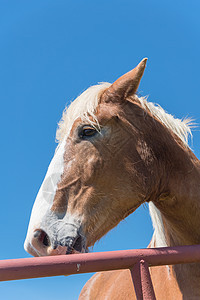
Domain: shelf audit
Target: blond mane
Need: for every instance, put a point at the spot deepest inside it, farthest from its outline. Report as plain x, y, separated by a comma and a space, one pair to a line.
85, 106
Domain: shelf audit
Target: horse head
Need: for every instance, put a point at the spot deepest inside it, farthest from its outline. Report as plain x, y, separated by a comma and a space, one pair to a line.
105, 166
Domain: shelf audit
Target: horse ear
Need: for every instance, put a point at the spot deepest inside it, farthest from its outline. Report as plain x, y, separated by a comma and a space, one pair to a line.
126, 85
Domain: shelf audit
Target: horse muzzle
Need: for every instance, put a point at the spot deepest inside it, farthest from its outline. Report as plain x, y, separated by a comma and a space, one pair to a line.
67, 240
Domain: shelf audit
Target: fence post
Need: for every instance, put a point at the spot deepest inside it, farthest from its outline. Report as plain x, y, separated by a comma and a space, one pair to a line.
142, 281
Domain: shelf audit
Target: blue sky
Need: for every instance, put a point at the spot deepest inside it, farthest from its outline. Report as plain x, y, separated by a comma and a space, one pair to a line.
50, 52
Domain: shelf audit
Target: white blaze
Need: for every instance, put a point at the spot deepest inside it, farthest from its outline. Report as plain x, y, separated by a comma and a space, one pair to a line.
46, 194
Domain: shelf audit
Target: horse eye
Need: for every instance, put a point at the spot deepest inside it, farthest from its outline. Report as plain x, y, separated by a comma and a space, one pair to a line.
87, 131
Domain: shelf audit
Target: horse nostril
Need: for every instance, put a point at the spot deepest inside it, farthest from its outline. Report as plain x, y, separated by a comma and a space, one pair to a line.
42, 237
46, 240
78, 244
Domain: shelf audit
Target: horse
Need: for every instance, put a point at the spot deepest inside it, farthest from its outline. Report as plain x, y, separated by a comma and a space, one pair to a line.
117, 151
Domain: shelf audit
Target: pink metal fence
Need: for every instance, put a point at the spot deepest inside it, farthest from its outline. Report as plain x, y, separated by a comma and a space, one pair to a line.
138, 261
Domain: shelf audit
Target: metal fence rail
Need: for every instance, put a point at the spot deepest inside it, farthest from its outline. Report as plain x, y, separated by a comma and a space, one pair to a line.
138, 261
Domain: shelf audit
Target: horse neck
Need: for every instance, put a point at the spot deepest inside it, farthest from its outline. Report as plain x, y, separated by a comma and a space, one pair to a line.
180, 206
172, 178
180, 211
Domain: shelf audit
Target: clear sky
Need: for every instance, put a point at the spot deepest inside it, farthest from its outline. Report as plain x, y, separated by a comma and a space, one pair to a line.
50, 52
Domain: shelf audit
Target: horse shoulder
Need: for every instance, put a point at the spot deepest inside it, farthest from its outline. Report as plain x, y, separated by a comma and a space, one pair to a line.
115, 285
165, 284
118, 285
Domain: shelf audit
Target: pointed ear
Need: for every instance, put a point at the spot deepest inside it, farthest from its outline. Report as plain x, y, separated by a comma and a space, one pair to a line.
126, 85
